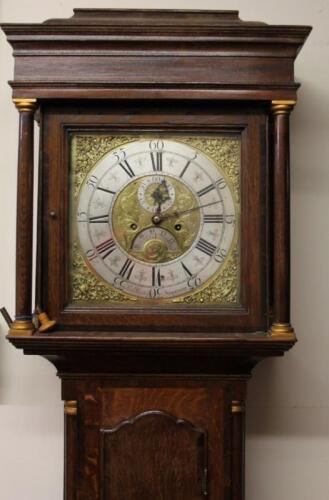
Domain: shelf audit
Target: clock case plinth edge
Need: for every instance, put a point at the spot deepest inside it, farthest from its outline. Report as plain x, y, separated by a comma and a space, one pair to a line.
145, 353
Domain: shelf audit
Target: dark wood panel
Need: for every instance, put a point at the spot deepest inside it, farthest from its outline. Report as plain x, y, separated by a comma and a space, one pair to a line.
201, 402
120, 404
80, 90
160, 70
87, 486
114, 428
154, 455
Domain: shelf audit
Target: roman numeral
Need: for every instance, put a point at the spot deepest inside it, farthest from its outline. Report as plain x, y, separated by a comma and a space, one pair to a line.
99, 219
156, 161
106, 248
216, 219
206, 247
106, 190
185, 168
219, 219
187, 165
127, 269
187, 271
206, 190
156, 277
127, 168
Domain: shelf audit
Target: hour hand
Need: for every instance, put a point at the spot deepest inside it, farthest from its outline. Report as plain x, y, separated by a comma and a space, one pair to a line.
161, 194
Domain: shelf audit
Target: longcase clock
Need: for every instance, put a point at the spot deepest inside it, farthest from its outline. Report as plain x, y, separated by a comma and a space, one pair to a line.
162, 273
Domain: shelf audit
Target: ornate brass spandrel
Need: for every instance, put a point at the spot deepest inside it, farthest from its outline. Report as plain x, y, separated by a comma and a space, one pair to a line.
86, 287
87, 150
225, 152
223, 288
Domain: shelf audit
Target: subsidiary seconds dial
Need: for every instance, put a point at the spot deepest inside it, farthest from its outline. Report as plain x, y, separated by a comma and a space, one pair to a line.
156, 219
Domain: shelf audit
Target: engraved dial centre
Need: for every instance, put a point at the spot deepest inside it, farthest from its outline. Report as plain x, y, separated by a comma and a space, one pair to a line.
155, 237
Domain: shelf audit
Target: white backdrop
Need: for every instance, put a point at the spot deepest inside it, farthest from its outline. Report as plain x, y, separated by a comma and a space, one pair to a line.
288, 406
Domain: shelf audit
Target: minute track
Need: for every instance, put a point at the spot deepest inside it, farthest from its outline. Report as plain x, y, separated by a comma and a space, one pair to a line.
164, 238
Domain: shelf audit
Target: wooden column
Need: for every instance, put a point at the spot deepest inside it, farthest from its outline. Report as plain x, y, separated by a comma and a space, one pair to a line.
238, 439
281, 326
24, 237
71, 447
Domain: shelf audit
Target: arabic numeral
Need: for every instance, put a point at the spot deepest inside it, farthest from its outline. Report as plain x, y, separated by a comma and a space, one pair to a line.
194, 282
156, 145
230, 219
220, 255
92, 181
221, 183
91, 254
154, 292
120, 155
82, 216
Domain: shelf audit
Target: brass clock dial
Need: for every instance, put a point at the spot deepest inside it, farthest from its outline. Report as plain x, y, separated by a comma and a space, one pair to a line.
156, 218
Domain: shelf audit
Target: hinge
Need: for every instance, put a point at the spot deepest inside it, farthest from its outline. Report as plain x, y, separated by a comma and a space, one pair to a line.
204, 482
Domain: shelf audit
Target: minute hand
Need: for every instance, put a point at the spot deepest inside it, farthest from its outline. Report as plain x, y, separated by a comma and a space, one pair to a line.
176, 214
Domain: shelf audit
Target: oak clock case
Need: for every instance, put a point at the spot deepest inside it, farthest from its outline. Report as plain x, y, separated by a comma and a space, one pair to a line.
156, 228
163, 259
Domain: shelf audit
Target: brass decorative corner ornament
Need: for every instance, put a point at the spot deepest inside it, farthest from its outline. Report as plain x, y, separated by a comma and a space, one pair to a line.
282, 107
27, 105
282, 331
238, 407
71, 408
